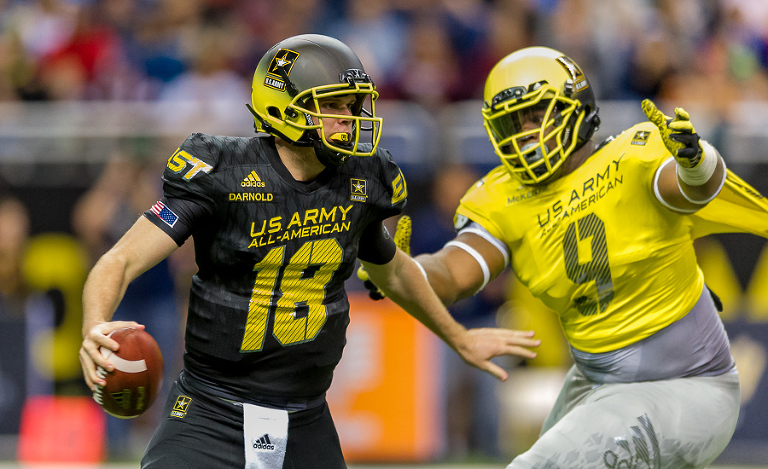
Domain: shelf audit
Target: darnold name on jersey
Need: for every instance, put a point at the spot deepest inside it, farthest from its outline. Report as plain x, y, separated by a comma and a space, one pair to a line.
251, 196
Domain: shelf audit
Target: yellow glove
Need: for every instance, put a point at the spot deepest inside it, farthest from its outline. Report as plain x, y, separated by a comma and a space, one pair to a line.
403, 234
678, 134
402, 241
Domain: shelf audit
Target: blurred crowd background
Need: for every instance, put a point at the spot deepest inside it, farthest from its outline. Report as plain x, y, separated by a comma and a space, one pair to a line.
96, 94
428, 51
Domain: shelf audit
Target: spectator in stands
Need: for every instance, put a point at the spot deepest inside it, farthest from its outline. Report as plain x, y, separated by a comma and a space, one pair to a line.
430, 73
14, 234
210, 90
379, 35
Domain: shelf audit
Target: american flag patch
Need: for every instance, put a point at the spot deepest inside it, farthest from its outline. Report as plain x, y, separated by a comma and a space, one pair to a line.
165, 213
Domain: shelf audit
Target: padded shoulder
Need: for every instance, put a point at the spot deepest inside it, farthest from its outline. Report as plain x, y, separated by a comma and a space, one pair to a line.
188, 172
380, 169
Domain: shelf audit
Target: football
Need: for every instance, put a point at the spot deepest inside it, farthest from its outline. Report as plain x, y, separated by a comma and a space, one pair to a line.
134, 384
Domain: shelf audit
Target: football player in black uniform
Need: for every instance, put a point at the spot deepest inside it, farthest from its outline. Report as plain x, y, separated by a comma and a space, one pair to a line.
278, 221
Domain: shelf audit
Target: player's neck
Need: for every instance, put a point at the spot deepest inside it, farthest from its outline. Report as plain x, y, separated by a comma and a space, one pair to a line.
301, 162
578, 158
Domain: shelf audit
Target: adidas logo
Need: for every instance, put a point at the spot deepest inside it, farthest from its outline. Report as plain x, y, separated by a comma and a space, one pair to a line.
252, 180
264, 443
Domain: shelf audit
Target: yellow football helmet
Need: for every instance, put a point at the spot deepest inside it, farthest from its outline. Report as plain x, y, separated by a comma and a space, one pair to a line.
297, 72
540, 86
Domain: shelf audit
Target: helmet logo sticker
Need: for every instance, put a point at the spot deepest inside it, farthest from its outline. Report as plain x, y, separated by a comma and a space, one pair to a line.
579, 80
279, 69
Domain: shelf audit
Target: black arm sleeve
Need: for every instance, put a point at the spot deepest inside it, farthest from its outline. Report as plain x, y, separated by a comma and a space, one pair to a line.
376, 246
176, 216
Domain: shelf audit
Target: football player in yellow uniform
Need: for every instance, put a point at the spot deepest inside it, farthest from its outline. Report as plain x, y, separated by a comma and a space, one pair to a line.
603, 236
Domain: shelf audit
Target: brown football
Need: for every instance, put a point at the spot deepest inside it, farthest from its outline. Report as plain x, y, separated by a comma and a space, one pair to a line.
134, 384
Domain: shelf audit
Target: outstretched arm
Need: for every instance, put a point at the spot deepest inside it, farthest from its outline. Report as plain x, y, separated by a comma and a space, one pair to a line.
143, 246
698, 171
462, 267
403, 281
457, 271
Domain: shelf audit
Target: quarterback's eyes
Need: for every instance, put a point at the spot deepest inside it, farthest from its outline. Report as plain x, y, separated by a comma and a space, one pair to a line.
337, 105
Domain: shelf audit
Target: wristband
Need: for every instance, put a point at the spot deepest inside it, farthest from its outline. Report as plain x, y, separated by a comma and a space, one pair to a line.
701, 173
703, 202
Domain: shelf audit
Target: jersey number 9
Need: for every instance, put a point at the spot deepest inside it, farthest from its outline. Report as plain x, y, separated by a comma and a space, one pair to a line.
596, 269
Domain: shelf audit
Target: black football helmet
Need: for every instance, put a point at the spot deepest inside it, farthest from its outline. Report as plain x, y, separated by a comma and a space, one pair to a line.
297, 72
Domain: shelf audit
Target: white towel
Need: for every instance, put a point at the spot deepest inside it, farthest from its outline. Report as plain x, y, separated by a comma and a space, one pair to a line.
266, 437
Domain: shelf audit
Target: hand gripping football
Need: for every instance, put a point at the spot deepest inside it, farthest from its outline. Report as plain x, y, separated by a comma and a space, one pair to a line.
134, 384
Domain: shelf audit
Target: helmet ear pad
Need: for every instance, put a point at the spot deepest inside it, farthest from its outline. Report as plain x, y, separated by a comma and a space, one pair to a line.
589, 124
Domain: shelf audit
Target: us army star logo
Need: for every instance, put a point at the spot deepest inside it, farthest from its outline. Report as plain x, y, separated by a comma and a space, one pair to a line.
180, 407
358, 190
284, 58
579, 80
640, 138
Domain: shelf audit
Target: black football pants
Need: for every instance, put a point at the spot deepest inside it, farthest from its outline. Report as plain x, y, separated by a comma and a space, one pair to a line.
202, 431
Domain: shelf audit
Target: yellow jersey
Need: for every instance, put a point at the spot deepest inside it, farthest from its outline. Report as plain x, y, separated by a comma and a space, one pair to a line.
596, 246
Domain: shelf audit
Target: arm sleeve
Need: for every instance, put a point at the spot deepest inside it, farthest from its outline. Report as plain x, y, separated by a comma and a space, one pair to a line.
177, 217
376, 246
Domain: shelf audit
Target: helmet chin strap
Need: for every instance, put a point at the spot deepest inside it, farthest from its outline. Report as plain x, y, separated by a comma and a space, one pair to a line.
325, 155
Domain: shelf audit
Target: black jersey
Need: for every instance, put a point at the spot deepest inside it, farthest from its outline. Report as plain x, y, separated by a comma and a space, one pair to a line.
268, 311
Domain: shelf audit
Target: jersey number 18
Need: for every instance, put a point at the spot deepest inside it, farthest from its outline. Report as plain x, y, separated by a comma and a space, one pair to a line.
299, 289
